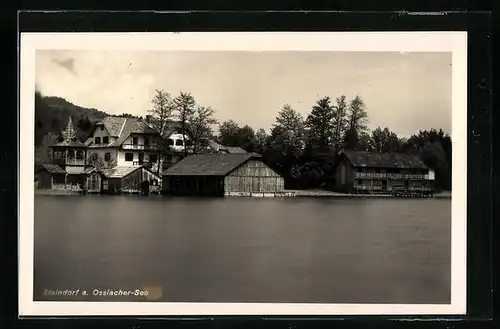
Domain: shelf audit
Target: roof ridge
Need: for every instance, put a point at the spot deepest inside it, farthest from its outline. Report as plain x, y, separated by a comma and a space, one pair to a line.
123, 126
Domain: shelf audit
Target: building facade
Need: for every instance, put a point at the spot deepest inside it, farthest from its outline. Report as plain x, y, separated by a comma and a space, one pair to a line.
385, 173
123, 142
69, 167
222, 175
129, 180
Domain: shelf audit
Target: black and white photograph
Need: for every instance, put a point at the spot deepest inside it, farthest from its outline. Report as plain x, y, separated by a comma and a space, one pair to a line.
242, 173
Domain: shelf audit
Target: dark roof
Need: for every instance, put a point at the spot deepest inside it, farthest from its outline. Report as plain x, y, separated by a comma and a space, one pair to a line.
53, 168
133, 126
222, 148
384, 160
89, 170
122, 128
113, 125
121, 171
73, 143
209, 164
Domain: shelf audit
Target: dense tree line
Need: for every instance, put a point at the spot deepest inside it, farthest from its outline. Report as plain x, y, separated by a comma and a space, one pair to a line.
52, 113
194, 119
302, 149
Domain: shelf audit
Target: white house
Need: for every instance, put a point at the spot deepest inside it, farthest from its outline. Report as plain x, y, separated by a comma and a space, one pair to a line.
126, 142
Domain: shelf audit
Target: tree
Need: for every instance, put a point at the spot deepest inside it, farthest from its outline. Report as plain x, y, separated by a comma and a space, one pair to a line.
356, 124
340, 121
84, 123
97, 161
260, 141
201, 130
308, 175
363, 142
319, 124
433, 155
435, 149
162, 110
185, 106
160, 114
229, 133
384, 140
287, 133
43, 152
246, 138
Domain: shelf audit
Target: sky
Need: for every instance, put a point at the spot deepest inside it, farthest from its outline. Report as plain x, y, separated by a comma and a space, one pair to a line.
405, 92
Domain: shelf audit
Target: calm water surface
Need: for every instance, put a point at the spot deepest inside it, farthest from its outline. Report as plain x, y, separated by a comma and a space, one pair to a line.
245, 249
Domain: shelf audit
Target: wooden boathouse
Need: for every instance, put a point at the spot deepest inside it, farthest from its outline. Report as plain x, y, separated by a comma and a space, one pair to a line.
129, 180
238, 174
362, 172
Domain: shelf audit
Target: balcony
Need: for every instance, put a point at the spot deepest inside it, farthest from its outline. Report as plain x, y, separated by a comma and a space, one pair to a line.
69, 161
365, 175
393, 188
140, 146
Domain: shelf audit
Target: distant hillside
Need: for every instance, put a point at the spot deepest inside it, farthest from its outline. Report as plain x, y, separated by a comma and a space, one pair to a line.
52, 114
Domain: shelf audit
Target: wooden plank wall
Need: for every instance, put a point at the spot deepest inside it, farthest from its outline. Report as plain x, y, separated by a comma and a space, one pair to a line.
254, 176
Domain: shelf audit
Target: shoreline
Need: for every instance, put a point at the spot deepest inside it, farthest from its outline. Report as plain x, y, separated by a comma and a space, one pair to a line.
285, 194
331, 194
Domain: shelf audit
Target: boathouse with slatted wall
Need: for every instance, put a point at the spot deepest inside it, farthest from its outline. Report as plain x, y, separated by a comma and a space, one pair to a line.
382, 173
238, 174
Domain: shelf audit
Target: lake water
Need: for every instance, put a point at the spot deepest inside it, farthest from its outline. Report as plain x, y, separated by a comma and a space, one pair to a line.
244, 249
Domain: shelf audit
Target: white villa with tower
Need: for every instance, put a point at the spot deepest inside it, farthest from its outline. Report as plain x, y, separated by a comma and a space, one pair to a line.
121, 155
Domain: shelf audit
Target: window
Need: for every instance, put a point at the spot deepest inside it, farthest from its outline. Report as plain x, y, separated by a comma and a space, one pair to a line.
178, 142
97, 140
170, 142
104, 184
107, 156
134, 140
129, 157
153, 158
105, 140
102, 127
80, 155
146, 141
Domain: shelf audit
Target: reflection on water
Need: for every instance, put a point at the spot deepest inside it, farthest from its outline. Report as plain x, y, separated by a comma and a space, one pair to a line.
243, 249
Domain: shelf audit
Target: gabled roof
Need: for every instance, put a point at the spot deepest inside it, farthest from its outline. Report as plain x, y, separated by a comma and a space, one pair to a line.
209, 164
74, 143
118, 172
133, 126
121, 129
53, 168
69, 137
384, 160
222, 148
122, 171
113, 125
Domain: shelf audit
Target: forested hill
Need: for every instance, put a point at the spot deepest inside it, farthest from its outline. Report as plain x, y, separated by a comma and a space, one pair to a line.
52, 113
